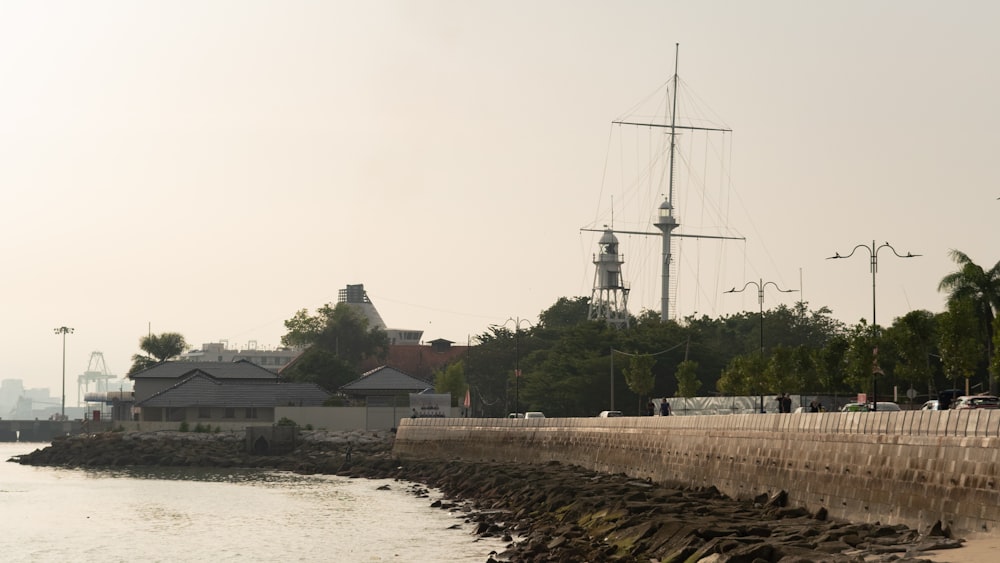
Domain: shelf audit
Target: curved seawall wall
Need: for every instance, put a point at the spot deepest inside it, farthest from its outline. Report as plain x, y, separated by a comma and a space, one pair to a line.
913, 467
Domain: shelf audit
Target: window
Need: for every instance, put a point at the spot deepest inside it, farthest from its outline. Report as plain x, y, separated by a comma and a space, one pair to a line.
204, 412
229, 412
251, 412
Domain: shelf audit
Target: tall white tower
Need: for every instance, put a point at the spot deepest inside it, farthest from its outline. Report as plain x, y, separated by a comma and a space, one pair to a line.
609, 299
666, 222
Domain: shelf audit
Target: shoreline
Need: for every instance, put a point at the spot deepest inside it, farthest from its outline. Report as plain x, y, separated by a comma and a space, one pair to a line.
557, 512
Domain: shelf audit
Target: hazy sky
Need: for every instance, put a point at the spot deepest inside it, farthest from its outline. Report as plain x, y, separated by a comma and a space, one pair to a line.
209, 168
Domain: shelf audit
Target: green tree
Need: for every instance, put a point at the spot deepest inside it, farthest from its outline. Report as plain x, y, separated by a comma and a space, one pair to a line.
742, 376
688, 383
565, 313
982, 288
322, 367
336, 340
687, 379
957, 340
486, 366
304, 329
568, 375
914, 337
451, 379
158, 348
639, 375
786, 370
995, 366
829, 362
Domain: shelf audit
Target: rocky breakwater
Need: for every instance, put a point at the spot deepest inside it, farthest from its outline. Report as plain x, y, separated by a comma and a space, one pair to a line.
550, 512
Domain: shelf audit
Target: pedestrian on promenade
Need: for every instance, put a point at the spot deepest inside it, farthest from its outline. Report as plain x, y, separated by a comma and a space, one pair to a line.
664, 408
785, 403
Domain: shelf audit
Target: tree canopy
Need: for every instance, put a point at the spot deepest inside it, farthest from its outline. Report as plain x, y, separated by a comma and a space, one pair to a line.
572, 366
335, 340
980, 289
158, 348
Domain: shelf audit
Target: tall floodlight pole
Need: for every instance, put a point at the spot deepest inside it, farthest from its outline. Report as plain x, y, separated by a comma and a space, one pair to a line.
873, 255
63, 330
760, 285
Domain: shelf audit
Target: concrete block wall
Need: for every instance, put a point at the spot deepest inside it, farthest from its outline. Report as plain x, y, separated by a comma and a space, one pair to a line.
913, 467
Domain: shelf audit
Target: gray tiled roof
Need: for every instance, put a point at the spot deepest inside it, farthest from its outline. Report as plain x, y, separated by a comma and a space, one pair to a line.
386, 379
242, 369
201, 389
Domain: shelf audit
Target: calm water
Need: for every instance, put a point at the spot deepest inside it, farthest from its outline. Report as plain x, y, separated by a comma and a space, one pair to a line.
50, 514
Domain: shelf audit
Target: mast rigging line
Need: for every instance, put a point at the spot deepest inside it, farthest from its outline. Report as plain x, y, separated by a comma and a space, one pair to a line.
672, 126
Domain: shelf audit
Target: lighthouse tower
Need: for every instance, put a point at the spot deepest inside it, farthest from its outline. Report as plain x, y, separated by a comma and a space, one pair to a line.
609, 299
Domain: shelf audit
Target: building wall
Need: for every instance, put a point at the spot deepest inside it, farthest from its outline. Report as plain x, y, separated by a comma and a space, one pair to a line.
208, 415
349, 418
319, 418
913, 467
273, 360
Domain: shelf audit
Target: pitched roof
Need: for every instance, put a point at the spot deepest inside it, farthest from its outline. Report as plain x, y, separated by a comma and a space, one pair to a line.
201, 389
383, 379
419, 361
241, 369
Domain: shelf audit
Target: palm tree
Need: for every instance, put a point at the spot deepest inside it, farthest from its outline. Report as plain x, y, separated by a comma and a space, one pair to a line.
159, 347
982, 288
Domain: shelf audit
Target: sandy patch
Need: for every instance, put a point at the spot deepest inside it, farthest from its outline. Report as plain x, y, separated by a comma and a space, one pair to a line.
977, 550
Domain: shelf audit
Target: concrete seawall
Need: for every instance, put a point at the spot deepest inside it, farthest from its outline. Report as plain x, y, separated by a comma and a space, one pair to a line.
913, 467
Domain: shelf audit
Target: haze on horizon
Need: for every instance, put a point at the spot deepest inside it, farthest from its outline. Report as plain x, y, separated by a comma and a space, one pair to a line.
211, 168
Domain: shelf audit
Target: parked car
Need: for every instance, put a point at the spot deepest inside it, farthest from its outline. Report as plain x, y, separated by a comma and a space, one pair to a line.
854, 407
516, 415
534, 414
946, 398
977, 402
931, 405
610, 414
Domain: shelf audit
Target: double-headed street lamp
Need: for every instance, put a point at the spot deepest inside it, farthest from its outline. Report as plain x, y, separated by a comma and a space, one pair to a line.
517, 355
873, 255
63, 330
760, 285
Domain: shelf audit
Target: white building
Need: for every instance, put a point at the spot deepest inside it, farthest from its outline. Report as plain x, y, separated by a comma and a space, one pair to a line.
272, 360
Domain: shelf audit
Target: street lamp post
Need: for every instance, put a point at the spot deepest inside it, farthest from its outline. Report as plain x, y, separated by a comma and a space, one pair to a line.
517, 356
63, 330
873, 256
760, 285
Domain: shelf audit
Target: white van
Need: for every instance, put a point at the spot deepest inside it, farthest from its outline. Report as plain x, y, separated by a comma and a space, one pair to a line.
609, 414
534, 414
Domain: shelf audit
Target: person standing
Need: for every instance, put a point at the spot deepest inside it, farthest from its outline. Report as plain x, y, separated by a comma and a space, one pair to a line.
785, 403
650, 409
664, 408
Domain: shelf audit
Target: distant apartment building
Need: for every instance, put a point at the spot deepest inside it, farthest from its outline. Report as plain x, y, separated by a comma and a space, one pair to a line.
272, 360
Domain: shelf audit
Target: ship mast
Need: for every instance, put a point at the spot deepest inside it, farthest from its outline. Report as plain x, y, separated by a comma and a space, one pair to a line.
666, 222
